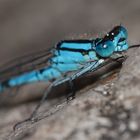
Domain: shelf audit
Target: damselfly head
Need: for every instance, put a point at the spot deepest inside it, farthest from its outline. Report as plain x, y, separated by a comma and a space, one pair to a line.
115, 40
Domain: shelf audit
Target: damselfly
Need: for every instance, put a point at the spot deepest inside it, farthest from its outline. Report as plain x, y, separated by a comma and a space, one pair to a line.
73, 55
66, 62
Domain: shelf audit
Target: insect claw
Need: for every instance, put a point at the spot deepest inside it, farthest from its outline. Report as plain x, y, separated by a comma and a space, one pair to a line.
18, 125
70, 97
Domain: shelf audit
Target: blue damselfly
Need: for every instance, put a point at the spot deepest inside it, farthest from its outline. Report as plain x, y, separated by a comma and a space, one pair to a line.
67, 61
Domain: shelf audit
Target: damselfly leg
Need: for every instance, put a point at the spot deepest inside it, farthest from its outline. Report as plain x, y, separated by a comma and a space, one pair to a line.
89, 67
68, 79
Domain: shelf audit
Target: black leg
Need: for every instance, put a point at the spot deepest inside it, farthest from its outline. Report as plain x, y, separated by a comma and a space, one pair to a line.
90, 67
71, 95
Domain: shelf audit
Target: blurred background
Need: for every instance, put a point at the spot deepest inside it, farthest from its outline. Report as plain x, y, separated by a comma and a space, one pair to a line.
31, 25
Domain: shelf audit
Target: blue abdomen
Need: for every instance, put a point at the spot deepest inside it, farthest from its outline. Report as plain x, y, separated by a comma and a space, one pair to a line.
68, 56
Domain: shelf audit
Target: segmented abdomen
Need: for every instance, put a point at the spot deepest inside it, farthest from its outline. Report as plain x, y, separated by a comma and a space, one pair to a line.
64, 60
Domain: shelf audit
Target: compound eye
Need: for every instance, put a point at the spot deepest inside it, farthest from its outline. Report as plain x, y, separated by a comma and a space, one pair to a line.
104, 46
